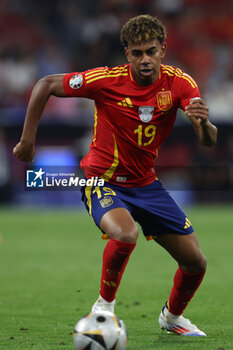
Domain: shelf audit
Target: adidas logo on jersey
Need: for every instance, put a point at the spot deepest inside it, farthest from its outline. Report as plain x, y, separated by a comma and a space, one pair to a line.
126, 103
187, 223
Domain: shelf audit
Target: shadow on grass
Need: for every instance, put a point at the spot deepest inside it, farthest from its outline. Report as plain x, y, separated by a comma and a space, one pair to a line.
169, 341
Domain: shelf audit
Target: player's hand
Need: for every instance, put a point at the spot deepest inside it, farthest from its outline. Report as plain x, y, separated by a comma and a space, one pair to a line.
197, 111
24, 151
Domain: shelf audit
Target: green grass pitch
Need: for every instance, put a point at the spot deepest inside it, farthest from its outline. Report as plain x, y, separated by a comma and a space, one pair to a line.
49, 278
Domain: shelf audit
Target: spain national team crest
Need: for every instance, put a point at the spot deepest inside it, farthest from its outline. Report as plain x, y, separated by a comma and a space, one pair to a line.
164, 100
106, 202
146, 113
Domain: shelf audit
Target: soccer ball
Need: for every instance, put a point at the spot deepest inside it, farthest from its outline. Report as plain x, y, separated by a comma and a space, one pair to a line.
100, 331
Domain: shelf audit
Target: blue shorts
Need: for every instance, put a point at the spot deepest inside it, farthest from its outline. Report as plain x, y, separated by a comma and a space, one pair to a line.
151, 206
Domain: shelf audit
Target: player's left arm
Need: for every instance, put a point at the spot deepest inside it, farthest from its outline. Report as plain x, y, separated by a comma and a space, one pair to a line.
198, 113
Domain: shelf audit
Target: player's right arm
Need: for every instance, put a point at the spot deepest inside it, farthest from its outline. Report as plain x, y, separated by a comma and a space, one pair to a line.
45, 87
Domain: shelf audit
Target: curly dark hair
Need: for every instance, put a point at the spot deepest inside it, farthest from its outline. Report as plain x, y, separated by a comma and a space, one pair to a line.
141, 29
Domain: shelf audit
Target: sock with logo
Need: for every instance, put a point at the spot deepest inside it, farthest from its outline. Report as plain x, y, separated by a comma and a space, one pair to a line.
184, 288
115, 258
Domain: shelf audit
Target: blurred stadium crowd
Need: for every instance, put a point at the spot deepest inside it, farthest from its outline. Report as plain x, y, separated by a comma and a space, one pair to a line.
41, 37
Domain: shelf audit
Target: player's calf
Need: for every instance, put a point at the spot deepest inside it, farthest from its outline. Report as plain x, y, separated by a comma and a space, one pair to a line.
184, 287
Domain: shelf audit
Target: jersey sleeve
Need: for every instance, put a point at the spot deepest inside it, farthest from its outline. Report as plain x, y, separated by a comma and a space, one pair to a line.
187, 89
78, 84
74, 85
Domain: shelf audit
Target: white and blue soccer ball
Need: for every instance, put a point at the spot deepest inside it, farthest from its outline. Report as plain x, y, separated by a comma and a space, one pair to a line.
100, 331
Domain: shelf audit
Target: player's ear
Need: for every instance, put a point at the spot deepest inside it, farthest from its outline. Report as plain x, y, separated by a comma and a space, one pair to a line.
127, 54
163, 49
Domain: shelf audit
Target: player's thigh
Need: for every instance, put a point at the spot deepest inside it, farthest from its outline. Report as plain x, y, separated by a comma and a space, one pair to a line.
185, 250
118, 224
110, 213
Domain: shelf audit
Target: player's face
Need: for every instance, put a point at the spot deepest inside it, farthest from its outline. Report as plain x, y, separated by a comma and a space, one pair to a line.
145, 59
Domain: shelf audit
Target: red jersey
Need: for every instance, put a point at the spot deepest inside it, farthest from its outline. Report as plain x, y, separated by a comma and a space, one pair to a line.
131, 121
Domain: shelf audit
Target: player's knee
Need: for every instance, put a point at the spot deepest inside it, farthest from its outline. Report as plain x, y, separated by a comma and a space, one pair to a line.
124, 234
196, 264
130, 235
202, 263
119, 224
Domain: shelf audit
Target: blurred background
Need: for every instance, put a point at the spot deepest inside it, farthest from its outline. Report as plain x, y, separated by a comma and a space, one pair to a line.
41, 37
